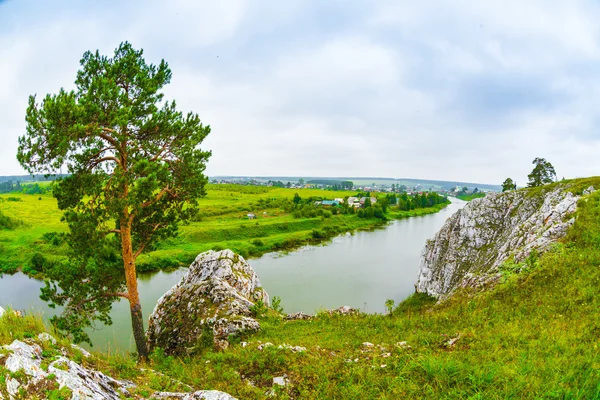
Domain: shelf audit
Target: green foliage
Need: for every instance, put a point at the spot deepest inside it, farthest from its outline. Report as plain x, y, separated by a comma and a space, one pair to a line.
389, 305
276, 304
542, 174
135, 173
471, 196
508, 184
259, 309
7, 222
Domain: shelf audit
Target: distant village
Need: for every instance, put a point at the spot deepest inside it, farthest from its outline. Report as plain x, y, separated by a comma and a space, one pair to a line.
348, 185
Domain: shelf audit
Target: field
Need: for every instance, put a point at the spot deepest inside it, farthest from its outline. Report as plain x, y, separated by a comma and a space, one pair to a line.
221, 223
534, 336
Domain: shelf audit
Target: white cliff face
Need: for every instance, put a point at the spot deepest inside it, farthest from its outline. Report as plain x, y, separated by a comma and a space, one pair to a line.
216, 294
491, 230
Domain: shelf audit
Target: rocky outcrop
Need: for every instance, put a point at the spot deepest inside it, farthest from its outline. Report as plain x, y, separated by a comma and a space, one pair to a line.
198, 395
475, 241
33, 374
214, 298
30, 372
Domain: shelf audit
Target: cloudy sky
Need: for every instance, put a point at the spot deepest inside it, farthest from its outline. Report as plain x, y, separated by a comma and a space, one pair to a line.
455, 90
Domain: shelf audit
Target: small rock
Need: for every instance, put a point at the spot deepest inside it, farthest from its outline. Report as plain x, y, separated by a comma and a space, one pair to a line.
198, 395
368, 344
589, 190
386, 355
452, 341
383, 365
83, 351
244, 344
294, 349
298, 316
46, 337
280, 381
403, 345
12, 386
265, 345
343, 310
2, 311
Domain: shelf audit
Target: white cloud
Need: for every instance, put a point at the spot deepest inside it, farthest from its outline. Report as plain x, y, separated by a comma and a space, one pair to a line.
457, 90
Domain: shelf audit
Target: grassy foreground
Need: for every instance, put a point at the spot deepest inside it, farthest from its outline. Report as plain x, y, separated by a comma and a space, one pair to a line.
536, 335
31, 224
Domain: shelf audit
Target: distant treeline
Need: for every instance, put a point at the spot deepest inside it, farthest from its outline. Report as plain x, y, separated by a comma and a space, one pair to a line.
335, 185
30, 178
406, 202
28, 188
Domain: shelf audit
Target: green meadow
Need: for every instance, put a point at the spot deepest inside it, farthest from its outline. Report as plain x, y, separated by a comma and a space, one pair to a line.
31, 235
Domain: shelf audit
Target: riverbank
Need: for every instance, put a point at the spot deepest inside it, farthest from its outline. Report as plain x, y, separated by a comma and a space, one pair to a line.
222, 223
363, 270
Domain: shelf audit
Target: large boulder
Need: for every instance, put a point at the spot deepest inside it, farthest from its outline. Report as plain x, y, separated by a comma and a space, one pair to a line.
214, 298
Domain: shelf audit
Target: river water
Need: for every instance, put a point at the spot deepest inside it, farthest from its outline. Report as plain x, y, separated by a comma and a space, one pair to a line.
361, 270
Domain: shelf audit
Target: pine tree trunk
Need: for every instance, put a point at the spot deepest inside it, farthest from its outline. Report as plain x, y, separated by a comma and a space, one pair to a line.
137, 320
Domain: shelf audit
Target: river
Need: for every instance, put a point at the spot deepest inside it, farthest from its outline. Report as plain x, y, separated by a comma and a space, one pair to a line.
362, 270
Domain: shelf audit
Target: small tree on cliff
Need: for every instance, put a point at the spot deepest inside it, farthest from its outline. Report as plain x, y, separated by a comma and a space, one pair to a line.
135, 173
508, 184
542, 174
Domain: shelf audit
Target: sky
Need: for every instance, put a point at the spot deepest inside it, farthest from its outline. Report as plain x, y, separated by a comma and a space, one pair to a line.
452, 90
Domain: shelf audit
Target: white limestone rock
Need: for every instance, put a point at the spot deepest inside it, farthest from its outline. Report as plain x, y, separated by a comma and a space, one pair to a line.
475, 241
216, 295
83, 383
198, 395
46, 337
298, 316
2, 311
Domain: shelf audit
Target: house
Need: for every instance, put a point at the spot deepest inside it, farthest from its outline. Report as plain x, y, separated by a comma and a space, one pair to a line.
339, 200
352, 200
251, 216
363, 199
329, 203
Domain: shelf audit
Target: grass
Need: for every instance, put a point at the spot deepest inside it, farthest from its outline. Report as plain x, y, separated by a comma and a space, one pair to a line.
35, 227
472, 196
533, 336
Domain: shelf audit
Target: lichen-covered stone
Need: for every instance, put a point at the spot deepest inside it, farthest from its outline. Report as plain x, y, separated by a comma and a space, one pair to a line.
298, 316
214, 296
27, 358
489, 231
198, 395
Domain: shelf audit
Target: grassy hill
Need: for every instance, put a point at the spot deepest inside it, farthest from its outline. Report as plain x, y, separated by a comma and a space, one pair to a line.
536, 335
